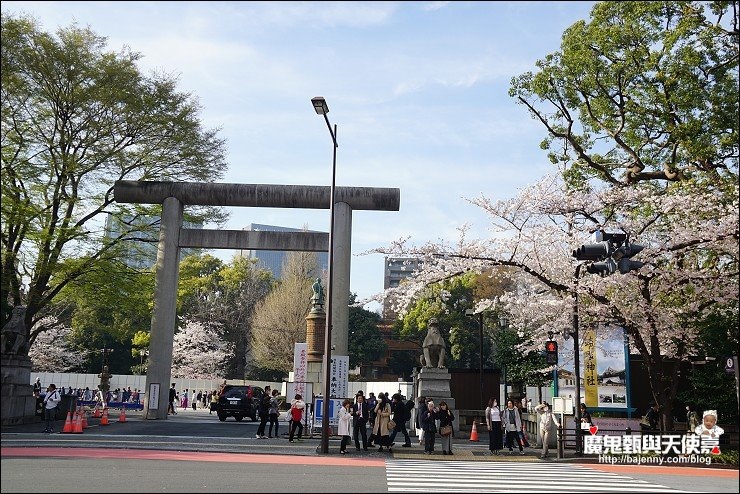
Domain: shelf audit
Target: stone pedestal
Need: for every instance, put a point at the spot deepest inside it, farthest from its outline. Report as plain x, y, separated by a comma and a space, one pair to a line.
434, 383
18, 404
315, 325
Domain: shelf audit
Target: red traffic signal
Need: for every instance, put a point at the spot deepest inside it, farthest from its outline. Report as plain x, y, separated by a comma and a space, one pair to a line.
551, 352
551, 347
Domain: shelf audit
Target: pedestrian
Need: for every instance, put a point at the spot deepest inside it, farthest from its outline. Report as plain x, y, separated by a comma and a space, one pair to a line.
360, 413
51, 400
274, 412
184, 400
585, 416
428, 422
445, 418
372, 402
421, 404
214, 402
400, 416
493, 421
297, 405
37, 388
194, 400
547, 421
651, 419
199, 397
173, 400
512, 422
381, 432
692, 419
345, 424
264, 413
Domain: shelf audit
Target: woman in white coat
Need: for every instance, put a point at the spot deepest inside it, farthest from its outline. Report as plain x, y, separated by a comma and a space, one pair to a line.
345, 425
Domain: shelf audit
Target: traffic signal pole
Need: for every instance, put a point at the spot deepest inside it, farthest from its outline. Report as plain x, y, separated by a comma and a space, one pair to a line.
577, 360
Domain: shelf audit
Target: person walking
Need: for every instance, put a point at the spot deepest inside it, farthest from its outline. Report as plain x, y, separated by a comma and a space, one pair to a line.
547, 422
345, 425
360, 414
382, 418
372, 402
297, 405
274, 412
429, 424
264, 413
194, 400
173, 400
37, 388
445, 418
214, 402
400, 416
51, 400
512, 422
493, 421
692, 419
421, 404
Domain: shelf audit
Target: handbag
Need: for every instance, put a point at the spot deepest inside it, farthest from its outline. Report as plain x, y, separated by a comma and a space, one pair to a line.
391, 424
445, 430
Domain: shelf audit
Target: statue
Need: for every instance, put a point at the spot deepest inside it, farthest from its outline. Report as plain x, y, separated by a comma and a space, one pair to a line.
14, 333
434, 347
317, 299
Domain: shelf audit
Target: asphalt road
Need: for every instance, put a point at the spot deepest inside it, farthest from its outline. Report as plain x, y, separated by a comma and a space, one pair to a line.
193, 451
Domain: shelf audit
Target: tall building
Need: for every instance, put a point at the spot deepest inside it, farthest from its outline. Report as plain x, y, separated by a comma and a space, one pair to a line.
141, 252
396, 270
273, 259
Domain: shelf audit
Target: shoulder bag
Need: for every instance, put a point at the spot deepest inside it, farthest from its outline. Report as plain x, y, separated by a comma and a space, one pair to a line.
445, 430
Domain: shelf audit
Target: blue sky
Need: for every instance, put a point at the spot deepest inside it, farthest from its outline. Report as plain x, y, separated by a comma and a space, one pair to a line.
418, 90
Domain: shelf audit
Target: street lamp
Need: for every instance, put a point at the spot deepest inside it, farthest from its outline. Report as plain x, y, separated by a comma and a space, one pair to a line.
503, 322
471, 312
577, 361
319, 104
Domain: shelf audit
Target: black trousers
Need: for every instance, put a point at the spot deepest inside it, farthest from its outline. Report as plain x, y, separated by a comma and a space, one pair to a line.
295, 424
263, 423
359, 430
274, 421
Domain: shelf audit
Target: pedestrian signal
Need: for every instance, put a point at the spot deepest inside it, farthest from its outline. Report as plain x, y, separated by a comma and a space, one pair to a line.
551, 352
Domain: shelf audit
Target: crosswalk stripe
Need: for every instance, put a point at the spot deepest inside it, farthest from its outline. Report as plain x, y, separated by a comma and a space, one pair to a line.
472, 476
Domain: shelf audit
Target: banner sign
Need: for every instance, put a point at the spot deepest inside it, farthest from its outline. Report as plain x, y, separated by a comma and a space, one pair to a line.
300, 369
339, 376
603, 370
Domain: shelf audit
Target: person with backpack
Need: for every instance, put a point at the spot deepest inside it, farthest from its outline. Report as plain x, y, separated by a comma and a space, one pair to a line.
51, 400
297, 406
401, 414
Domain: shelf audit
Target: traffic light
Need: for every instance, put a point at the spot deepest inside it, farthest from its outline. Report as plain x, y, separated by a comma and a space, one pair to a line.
551, 352
602, 268
593, 252
623, 255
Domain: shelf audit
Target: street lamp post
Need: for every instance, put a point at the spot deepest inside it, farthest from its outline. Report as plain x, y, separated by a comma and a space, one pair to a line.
502, 321
470, 312
319, 104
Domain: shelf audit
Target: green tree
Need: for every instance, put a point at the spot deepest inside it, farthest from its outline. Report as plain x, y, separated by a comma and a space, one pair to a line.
645, 92
365, 343
76, 118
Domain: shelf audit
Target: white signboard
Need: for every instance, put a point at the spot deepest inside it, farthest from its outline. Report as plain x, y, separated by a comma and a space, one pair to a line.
339, 376
153, 396
562, 405
300, 369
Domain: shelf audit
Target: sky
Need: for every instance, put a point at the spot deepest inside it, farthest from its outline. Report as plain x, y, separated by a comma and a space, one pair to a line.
418, 92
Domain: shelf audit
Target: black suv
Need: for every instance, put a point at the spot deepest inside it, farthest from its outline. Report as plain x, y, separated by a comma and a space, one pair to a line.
239, 402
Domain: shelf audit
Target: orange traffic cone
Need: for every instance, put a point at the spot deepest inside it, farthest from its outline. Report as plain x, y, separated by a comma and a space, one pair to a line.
104, 419
96, 413
77, 428
68, 424
122, 417
474, 433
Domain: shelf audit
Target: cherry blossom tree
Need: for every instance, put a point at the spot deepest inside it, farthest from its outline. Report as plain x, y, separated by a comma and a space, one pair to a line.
51, 350
199, 351
691, 265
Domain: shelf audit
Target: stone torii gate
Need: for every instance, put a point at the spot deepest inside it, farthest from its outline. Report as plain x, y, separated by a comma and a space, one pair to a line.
172, 236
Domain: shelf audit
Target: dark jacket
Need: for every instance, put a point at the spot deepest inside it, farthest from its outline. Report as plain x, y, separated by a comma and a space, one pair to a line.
428, 420
365, 411
445, 418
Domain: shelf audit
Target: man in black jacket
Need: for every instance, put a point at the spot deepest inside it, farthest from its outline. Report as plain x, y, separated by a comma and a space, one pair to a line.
400, 415
173, 396
360, 414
